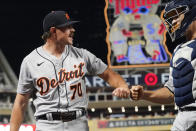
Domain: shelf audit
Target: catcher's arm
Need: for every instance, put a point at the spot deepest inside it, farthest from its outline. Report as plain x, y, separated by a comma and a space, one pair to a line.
162, 95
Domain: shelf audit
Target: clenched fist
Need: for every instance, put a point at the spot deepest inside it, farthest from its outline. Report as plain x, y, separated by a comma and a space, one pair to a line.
137, 92
121, 92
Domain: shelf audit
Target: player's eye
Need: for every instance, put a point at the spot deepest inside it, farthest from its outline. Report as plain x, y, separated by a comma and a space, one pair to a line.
170, 14
175, 13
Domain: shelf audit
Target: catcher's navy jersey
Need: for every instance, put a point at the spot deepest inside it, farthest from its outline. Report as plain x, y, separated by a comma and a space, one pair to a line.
59, 82
182, 79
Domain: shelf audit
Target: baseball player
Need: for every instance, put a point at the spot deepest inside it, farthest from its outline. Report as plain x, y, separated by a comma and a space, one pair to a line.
180, 20
55, 72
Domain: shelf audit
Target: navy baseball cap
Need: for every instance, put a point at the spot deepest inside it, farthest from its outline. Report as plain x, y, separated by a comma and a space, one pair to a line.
57, 19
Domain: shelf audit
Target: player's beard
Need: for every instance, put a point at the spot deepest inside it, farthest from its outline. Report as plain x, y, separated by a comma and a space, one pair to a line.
71, 37
68, 40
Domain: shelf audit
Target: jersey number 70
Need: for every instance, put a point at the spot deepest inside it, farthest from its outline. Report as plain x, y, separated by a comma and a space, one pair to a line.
77, 88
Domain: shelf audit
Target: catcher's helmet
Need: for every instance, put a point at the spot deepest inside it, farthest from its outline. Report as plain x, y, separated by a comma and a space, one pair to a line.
185, 10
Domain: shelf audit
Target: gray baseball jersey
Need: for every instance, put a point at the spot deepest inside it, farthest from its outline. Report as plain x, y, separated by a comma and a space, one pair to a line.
182, 83
59, 82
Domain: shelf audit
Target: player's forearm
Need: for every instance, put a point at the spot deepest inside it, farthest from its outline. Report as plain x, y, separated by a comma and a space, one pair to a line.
162, 96
117, 81
113, 79
17, 116
18, 110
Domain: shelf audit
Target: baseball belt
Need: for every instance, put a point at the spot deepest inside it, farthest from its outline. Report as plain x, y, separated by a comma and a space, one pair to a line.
63, 116
189, 108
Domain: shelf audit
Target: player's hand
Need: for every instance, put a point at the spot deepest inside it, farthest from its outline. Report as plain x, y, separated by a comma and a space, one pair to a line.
122, 92
137, 92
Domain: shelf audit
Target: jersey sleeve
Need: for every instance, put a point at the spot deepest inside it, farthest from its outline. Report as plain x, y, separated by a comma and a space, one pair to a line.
94, 65
25, 83
169, 83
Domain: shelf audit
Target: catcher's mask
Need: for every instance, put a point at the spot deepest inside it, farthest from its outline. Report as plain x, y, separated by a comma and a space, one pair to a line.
178, 15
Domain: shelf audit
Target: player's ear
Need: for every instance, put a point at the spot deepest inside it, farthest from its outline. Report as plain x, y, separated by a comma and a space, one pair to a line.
53, 32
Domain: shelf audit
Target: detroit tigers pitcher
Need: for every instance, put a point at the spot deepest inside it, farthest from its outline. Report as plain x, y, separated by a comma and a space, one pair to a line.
56, 72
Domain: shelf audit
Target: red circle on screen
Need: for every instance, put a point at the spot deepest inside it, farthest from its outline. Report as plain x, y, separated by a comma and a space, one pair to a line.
151, 79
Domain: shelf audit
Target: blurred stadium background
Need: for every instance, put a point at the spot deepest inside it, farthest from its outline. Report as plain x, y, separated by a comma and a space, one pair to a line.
106, 112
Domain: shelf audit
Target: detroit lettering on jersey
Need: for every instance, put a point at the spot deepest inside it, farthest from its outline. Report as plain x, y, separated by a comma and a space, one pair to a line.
63, 76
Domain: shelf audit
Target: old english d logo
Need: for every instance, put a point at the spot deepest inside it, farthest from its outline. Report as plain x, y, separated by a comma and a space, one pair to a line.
67, 16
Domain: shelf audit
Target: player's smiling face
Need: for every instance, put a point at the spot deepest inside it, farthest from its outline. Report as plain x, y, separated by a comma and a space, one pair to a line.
65, 34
